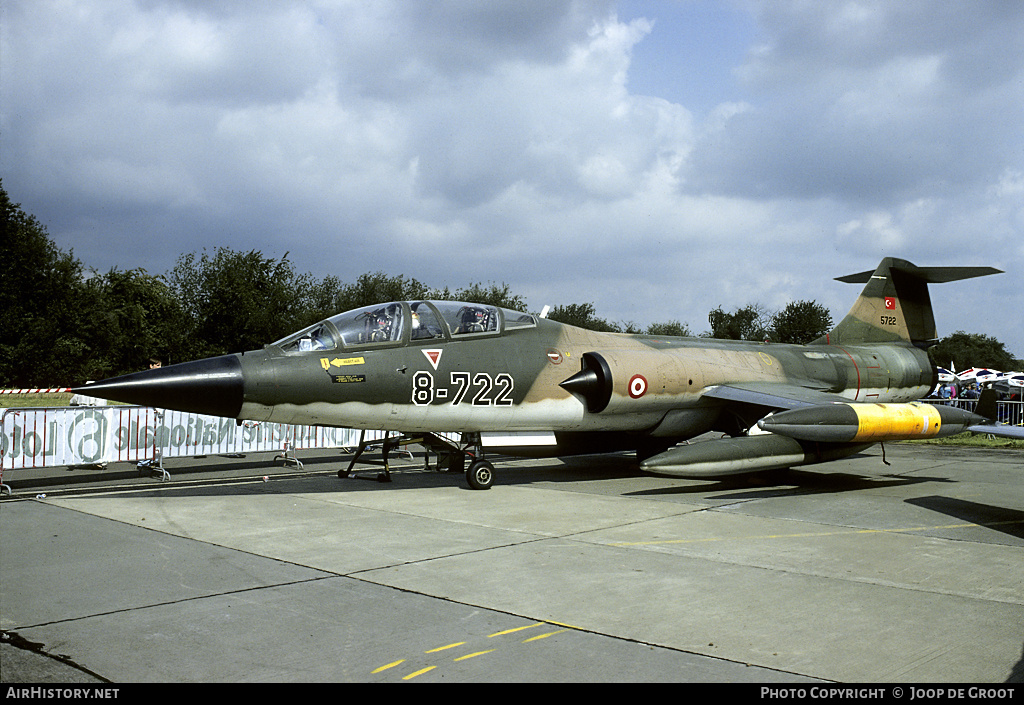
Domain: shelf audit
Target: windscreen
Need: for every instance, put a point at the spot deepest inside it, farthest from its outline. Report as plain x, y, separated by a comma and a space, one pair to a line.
318, 337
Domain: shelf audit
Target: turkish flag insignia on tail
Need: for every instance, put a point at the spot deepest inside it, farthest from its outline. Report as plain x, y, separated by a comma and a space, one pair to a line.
890, 303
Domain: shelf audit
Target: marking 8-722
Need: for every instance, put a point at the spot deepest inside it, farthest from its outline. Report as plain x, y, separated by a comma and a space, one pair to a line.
476, 388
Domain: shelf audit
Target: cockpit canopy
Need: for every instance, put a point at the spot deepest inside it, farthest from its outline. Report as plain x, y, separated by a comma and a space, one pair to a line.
403, 322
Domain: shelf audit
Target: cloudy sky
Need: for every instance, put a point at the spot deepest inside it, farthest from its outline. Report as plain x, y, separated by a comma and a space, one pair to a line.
657, 159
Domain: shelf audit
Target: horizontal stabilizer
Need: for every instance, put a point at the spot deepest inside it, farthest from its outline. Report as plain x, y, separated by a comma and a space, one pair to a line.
930, 275
895, 306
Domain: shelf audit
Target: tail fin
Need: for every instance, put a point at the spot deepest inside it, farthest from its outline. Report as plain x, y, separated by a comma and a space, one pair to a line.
987, 405
894, 305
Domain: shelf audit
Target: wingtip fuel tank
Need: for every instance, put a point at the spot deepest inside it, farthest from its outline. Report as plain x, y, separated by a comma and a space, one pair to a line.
873, 423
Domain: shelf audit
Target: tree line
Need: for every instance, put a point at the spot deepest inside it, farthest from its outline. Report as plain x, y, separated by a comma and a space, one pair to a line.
62, 324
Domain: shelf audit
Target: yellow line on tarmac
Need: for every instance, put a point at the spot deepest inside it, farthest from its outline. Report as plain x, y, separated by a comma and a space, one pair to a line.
563, 624
565, 628
517, 629
544, 636
390, 665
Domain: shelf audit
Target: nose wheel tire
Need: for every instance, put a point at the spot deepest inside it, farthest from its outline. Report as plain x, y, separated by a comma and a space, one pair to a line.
480, 475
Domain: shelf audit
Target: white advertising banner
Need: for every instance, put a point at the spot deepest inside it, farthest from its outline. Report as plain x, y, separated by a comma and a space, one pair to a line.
47, 437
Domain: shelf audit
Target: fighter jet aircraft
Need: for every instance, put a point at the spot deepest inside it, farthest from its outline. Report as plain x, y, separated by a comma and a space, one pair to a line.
515, 383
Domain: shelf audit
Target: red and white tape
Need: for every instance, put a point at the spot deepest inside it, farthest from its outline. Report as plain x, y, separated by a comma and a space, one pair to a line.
51, 390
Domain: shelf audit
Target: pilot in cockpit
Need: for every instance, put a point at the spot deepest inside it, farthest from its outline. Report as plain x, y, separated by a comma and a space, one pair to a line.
380, 325
474, 319
424, 323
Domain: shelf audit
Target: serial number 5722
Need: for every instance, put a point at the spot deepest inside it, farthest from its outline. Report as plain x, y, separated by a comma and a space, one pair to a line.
888, 320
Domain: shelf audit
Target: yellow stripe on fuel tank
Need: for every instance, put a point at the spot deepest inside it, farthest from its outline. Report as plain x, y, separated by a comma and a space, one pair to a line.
884, 422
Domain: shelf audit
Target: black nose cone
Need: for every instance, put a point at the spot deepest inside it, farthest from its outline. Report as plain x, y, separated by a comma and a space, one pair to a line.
214, 386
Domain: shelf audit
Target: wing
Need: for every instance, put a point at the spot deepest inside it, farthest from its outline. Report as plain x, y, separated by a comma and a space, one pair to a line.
775, 395
754, 399
999, 429
746, 402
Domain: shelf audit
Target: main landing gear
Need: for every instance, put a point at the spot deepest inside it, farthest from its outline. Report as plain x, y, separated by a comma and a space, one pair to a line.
480, 475
451, 456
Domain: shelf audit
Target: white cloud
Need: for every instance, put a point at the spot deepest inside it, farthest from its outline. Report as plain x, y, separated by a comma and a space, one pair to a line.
457, 141
875, 232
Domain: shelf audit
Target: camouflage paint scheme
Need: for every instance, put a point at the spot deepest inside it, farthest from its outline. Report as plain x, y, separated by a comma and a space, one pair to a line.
456, 367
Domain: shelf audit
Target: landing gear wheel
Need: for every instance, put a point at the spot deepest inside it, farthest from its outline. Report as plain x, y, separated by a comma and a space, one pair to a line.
480, 475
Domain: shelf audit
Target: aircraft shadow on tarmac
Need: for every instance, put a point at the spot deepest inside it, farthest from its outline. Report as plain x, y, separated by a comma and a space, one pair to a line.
320, 475
1007, 521
1017, 674
81, 478
755, 485
787, 483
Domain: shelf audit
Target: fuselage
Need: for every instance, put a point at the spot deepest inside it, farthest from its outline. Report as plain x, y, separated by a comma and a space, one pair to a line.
507, 376
514, 382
